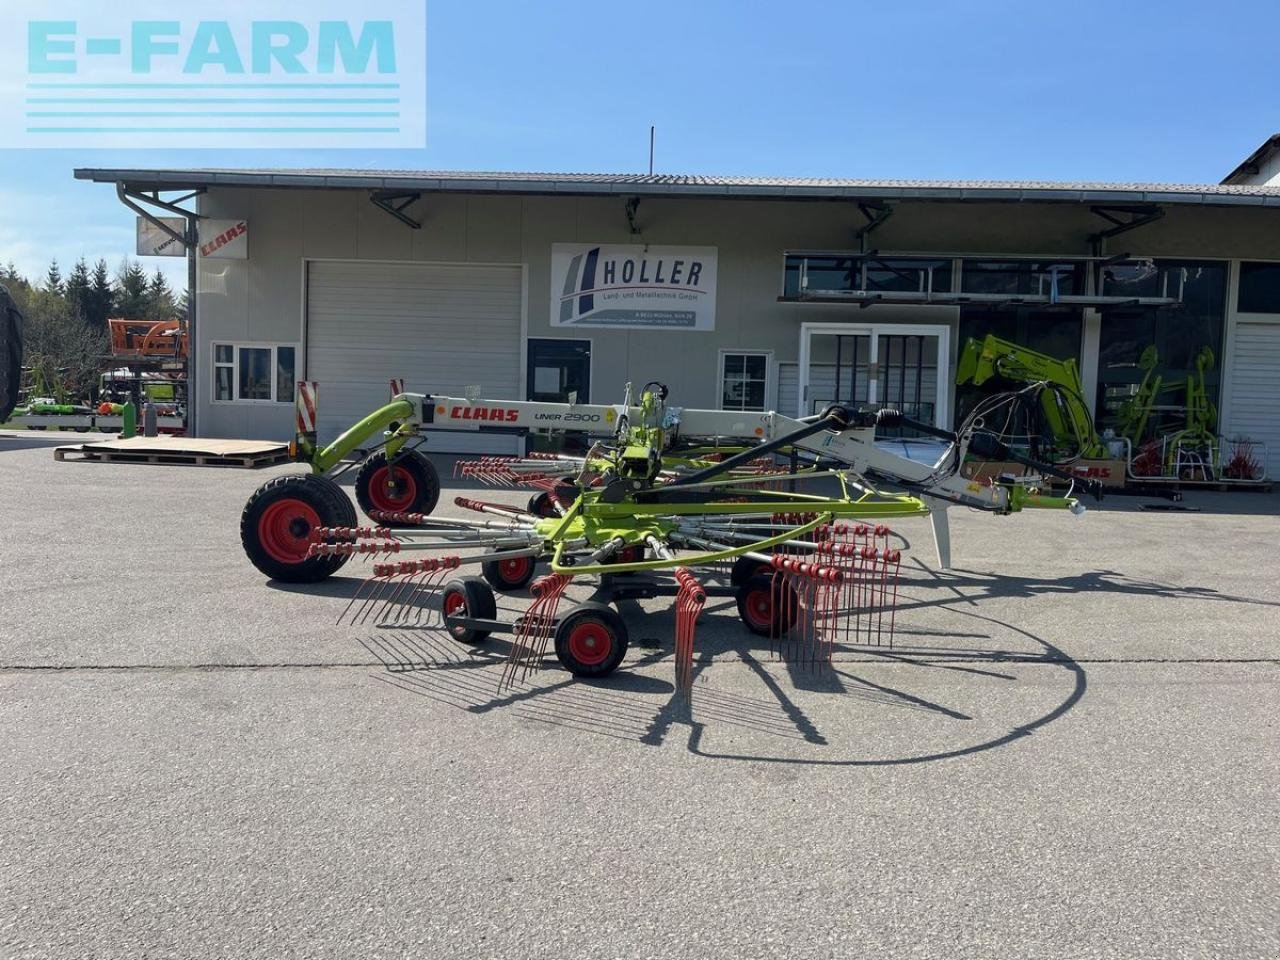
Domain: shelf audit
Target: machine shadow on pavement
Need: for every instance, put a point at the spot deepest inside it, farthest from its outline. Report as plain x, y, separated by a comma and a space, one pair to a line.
635, 706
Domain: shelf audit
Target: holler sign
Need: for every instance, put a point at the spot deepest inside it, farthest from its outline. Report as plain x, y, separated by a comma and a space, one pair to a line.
633, 285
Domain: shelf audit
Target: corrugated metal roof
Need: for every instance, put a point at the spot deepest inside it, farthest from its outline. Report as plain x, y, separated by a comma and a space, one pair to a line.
469, 181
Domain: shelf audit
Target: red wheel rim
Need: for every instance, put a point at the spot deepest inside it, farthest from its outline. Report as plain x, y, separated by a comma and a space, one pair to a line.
758, 608
515, 569
455, 603
284, 529
393, 498
590, 643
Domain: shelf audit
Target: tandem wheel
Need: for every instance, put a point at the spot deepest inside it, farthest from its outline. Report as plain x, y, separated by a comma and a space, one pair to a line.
767, 605
513, 573
744, 568
468, 597
276, 525
409, 484
591, 640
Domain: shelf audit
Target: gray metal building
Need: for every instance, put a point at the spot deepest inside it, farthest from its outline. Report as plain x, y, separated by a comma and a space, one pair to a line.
805, 291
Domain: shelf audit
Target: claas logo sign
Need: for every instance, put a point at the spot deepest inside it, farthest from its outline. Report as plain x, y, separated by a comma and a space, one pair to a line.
224, 239
490, 414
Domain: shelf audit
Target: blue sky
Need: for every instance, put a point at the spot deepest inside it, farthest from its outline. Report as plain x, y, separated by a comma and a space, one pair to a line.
1153, 91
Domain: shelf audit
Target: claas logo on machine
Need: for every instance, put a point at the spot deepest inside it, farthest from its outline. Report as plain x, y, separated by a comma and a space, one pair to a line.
492, 414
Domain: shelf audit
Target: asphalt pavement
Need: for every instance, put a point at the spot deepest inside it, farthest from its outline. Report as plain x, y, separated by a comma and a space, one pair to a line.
1070, 750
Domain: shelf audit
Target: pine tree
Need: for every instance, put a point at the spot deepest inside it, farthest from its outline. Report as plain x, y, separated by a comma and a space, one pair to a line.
132, 289
53, 279
101, 302
18, 285
161, 305
77, 290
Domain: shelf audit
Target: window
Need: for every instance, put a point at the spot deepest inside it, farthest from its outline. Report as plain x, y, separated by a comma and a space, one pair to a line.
1053, 331
284, 373
1022, 278
814, 273
1164, 347
259, 373
1259, 288
744, 379
224, 371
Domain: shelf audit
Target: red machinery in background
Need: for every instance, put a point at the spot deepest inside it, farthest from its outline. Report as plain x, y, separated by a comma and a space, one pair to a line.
148, 339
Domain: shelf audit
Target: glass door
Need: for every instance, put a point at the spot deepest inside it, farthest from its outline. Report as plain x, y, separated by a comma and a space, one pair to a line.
836, 367
558, 371
901, 365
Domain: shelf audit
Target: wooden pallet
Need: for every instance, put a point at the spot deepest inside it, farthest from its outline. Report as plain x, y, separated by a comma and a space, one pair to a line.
179, 451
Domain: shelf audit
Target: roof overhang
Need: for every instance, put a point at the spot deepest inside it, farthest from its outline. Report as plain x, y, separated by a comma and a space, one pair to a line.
1251, 165
747, 188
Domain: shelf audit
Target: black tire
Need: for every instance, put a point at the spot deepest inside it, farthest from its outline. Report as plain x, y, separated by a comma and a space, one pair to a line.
744, 568
468, 597
767, 605
541, 505
632, 554
508, 575
414, 485
591, 640
276, 524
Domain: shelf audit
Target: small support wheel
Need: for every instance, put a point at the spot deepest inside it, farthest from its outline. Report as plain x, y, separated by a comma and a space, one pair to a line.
468, 597
513, 573
768, 606
409, 484
276, 525
744, 568
591, 640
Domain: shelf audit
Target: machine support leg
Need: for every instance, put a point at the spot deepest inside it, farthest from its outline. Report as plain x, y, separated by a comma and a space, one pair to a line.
941, 531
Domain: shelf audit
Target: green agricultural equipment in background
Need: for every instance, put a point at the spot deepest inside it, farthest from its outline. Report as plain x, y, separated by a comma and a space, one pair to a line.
1060, 406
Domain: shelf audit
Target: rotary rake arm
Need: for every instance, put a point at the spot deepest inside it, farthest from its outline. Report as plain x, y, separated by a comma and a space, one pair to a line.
643, 446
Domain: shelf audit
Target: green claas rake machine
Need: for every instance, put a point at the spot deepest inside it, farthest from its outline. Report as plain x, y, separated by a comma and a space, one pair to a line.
665, 502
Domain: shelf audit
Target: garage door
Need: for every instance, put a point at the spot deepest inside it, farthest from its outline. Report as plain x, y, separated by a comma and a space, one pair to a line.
1255, 388
440, 328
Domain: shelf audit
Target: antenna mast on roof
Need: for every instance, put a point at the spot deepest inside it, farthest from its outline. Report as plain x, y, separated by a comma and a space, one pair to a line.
651, 129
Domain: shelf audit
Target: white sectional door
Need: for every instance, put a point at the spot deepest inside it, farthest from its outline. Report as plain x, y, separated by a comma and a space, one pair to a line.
440, 327
1255, 388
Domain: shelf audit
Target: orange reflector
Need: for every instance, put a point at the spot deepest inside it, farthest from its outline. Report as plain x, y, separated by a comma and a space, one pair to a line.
293, 449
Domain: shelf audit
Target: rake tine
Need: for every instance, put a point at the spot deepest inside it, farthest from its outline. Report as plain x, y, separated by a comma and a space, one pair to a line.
690, 600
372, 603
894, 557
534, 629
407, 570
374, 583
354, 597
421, 583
